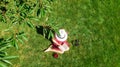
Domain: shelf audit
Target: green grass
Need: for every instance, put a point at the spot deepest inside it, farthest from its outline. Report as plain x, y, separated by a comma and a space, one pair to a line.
94, 22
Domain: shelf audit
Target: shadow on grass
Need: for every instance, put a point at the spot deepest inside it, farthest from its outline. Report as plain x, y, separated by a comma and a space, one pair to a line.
1, 39
45, 31
75, 42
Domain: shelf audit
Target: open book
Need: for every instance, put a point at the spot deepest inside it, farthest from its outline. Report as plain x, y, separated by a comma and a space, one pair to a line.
64, 47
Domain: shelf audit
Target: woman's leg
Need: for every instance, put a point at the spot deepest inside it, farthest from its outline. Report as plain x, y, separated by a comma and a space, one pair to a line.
53, 49
48, 49
57, 51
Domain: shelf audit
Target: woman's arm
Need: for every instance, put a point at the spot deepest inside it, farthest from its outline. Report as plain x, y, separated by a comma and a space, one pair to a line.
55, 42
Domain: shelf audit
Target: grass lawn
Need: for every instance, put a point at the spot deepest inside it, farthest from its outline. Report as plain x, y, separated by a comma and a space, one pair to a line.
94, 23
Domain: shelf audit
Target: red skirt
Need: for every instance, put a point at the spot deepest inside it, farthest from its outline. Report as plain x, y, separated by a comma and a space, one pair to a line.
54, 46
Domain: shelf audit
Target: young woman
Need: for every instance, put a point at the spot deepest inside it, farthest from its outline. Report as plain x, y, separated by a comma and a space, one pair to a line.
60, 43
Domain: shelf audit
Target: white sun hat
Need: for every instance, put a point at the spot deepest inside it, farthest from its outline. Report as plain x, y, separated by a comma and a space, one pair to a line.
62, 35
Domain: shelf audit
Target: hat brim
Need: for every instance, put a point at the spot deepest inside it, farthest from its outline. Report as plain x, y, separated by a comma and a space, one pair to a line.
62, 38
